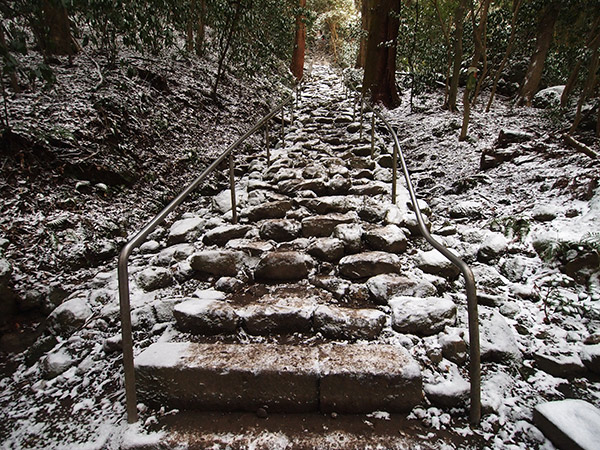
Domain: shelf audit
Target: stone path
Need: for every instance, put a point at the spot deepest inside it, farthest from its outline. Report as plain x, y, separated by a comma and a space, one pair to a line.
317, 266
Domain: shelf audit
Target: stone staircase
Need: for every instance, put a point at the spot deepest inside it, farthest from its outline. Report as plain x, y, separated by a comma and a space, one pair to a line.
307, 303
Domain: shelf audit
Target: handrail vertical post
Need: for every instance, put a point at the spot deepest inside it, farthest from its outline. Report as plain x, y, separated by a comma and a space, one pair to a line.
354, 108
394, 172
474, 346
127, 338
234, 217
372, 135
362, 106
282, 126
267, 144
292, 113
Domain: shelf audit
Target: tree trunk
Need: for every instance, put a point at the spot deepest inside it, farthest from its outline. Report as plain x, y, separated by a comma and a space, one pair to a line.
587, 90
14, 81
509, 48
380, 68
223, 55
446, 33
478, 39
459, 14
200, 28
56, 33
545, 33
299, 45
365, 21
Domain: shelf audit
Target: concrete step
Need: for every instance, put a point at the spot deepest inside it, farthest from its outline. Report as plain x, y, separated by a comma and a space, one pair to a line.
352, 378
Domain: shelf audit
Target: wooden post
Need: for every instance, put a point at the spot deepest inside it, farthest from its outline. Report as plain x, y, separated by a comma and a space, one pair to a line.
372, 134
394, 173
267, 144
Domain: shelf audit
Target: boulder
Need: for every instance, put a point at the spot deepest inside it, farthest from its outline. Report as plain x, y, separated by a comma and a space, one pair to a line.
454, 346
283, 316
338, 287
368, 264
497, 340
590, 356
185, 230
348, 323
283, 266
389, 239
494, 245
422, 316
174, 253
223, 234
69, 316
548, 98
56, 363
218, 262
280, 230
435, 263
469, 208
323, 226
559, 364
385, 286
270, 210
327, 249
448, 393
351, 235
205, 316
507, 137
153, 278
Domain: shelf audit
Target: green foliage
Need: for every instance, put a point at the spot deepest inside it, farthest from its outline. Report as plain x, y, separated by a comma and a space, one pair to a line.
515, 228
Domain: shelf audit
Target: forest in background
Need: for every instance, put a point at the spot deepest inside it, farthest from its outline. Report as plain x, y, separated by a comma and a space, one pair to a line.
513, 48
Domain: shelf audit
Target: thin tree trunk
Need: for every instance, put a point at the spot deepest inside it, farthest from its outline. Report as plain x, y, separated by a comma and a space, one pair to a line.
509, 48
587, 90
14, 81
297, 66
365, 20
536, 66
220, 70
446, 34
57, 39
478, 32
459, 15
380, 69
592, 43
411, 55
189, 41
200, 28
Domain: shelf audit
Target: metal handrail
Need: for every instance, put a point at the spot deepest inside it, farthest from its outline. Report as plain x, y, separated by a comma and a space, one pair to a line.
140, 237
473, 318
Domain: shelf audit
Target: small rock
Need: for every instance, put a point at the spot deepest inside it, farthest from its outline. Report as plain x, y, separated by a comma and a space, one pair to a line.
590, 356
56, 363
323, 226
270, 210
498, 343
544, 213
563, 365
548, 98
327, 249
494, 246
151, 246
175, 253
223, 234
205, 316
454, 347
351, 235
229, 284
448, 393
338, 287
469, 208
385, 286
113, 344
83, 186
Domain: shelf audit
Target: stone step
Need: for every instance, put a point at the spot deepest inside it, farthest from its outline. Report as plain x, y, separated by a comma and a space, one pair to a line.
352, 378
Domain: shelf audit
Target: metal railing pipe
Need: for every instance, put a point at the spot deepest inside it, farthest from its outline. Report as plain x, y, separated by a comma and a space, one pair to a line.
473, 317
138, 239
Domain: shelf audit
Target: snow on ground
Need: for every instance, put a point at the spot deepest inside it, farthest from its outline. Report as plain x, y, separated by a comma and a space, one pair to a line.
74, 398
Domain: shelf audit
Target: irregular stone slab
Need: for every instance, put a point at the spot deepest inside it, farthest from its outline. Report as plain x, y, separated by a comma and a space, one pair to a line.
497, 340
364, 378
448, 393
332, 204
348, 323
590, 356
336, 286
323, 226
283, 266
368, 264
280, 230
385, 286
435, 263
545, 98
174, 253
351, 235
185, 230
545, 213
369, 189
279, 316
255, 248
153, 278
229, 377
69, 316
327, 249
223, 234
222, 201
388, 239
569, 424
558, 364
218, 262
205, 316
454, 347
56, 363
494, 246
270, 210
468, 208
422, 316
